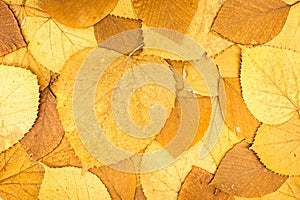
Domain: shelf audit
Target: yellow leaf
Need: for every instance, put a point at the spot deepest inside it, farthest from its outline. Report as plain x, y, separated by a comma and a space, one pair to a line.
19, 177
19, 100
254, 22
124, 8
78, 14
270, 83
176, 15
290, 35
70, 183
166, 183
52, 44
278, 146
229, 61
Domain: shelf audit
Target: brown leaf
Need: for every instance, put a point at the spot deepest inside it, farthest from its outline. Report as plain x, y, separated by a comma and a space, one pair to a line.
78, 14
119, 184
241, 173
10, 34
251, 22
19, 177
139, 194
125, 43
47, 131
62, 156
176, 15
196, 186
237, 116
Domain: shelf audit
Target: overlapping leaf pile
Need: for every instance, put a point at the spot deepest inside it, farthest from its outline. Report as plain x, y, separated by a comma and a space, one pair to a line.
255, 46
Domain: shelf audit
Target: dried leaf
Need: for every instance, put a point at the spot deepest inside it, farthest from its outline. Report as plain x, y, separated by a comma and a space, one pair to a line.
19, 177
19, 100
62, 156
166, 183
278, 146
139, 194
229, 61
237, 116
240, 173
120, 185
176, 15
10, 34
78, 14
196, 186
270, 83
254, 22
70, 183
47, 131
124, 8
52, 43
131, 41
23, 58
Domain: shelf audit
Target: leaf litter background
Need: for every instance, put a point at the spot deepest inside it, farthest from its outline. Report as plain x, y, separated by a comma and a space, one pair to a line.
256, 47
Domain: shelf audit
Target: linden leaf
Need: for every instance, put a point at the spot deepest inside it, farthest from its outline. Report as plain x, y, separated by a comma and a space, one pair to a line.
240, 173
229, 61
290, 35
120, 185
290, 190
278, 146
62, 156
19, 177
47, 131
78, 14
251, 22
23, 58
52, 44
70, 183
131, 41
270, 85
237, 116
172, 124
19, 100
196, 186
10, 34
166, 183
176, 15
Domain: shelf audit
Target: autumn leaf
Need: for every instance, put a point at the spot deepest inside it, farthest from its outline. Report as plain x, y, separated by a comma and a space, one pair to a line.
196, 186
240, 173
229, 61
70, 183
10, 34
176, 15
270, 85
120, 185
78, 14
47, 131
52, 43
19, 102
254, 22
237, 116
130, 42
124, 8
278, 146
23, 58
62, 156
19, 177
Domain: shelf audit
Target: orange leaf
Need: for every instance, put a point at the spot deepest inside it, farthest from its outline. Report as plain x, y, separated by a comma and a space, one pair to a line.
251, 22
119, 184
78, 14
237, 116
19, 177
176, 15
47, 131
240, 173
196, 186
10, 34
131, 41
